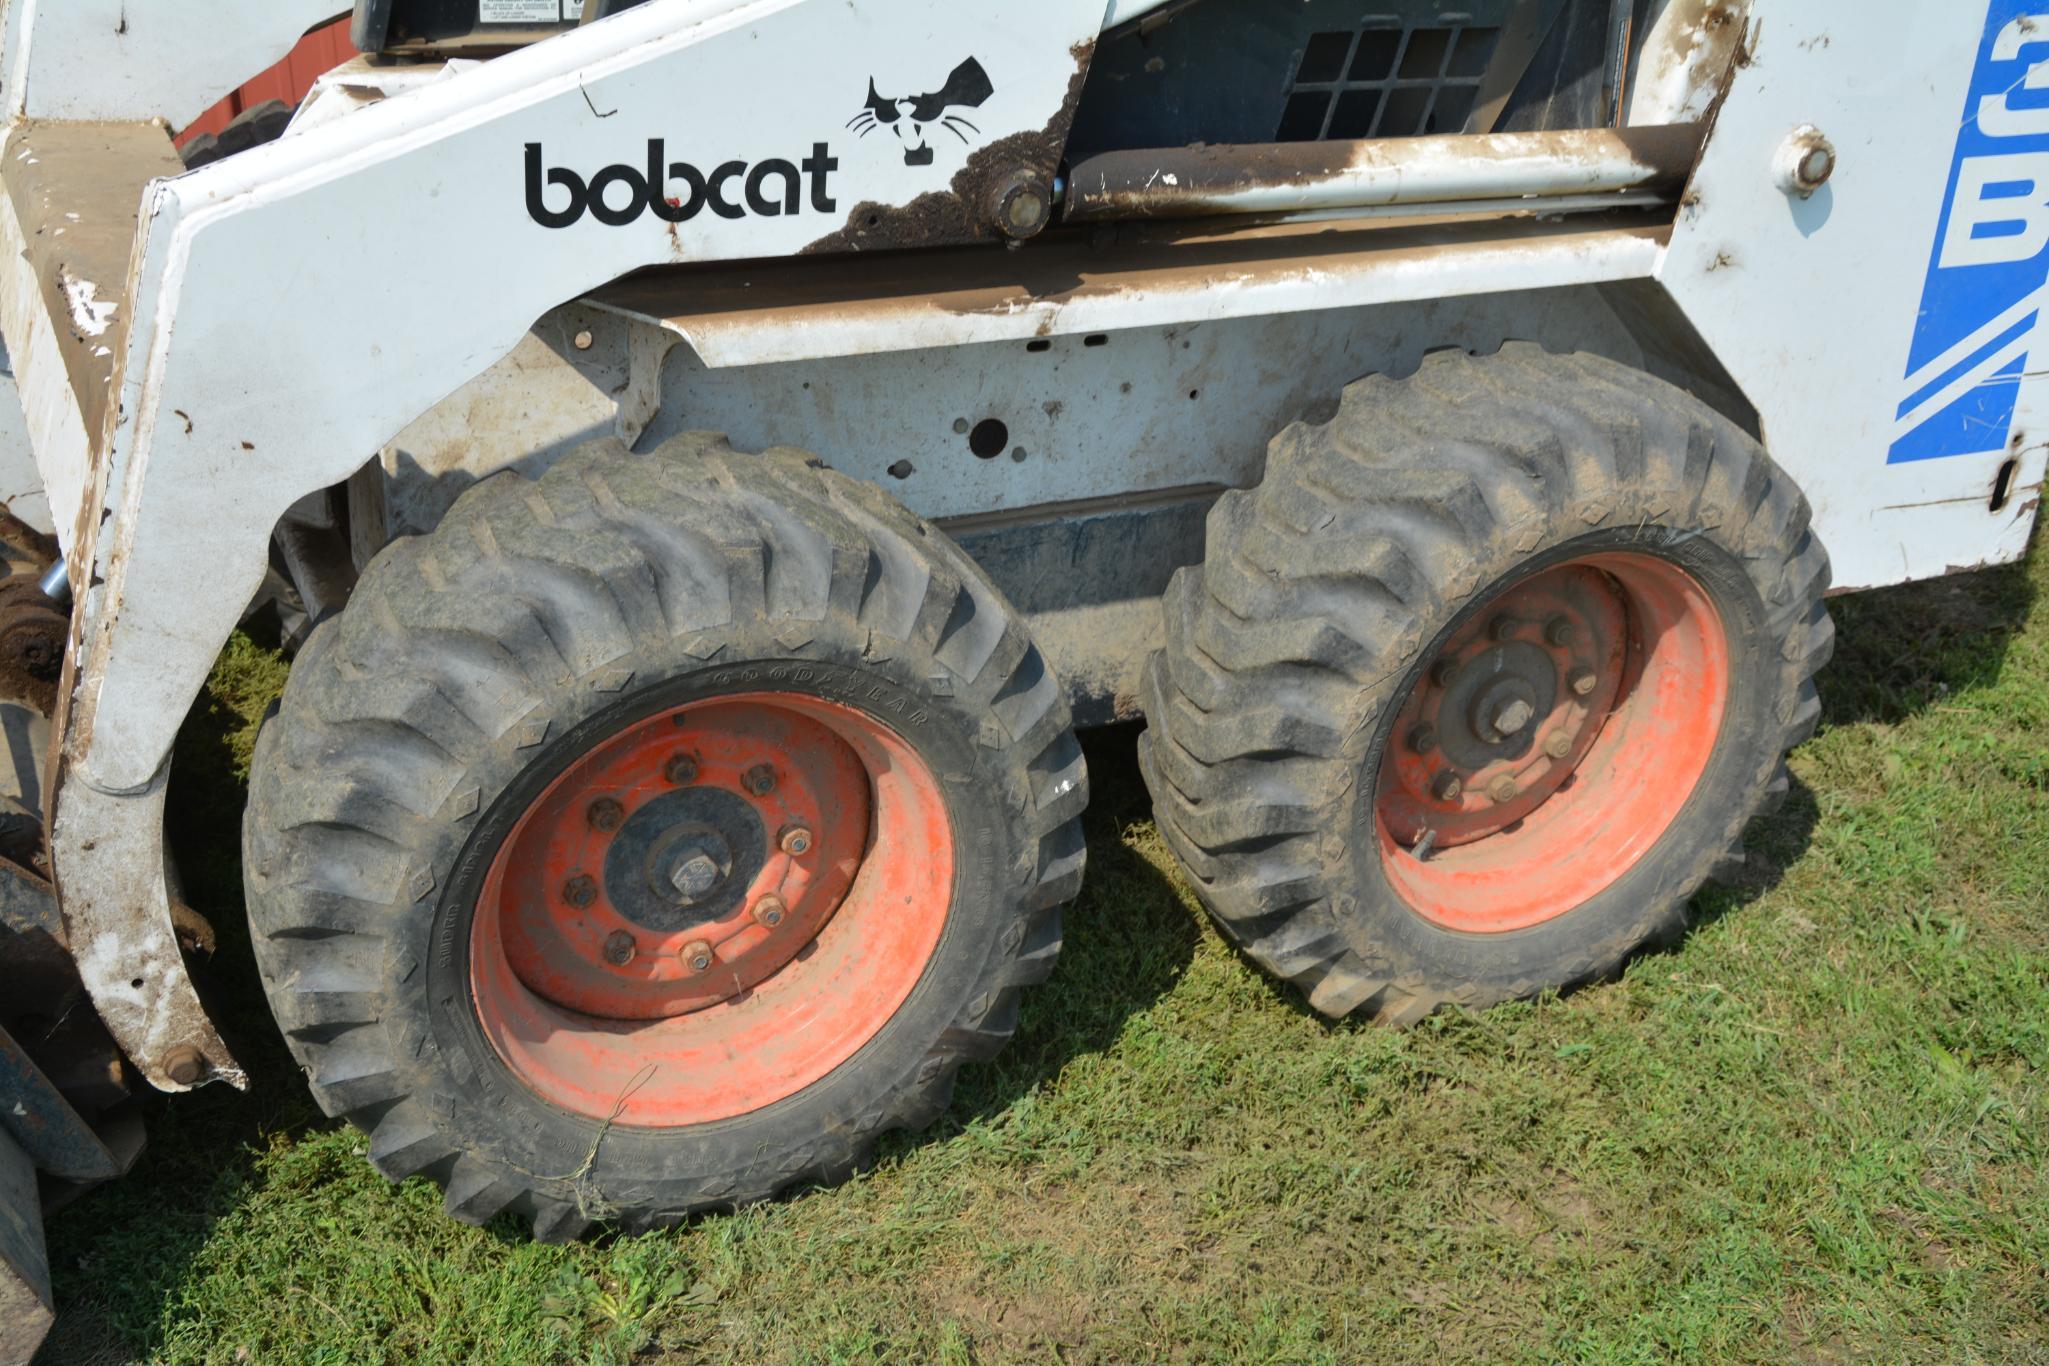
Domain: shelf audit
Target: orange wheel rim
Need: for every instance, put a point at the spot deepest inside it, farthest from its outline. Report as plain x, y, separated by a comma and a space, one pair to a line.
1551, 741
711, 909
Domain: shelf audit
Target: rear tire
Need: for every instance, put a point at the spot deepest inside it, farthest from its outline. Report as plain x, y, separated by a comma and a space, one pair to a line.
1293, 749
253, 127
556, 645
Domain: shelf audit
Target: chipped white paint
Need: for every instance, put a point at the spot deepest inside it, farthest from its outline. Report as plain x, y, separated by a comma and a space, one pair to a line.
1396, 171
1147, 296
359, 84
1684, 59
90, 314
131, 963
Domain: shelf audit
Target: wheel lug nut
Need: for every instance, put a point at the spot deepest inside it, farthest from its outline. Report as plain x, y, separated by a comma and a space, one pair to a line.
185, 1065
1558, 744
697, 956
795, 841
1422, 739
770, 911
620, 948
694, 877
580, 891
1582, 681
1443, 671
1558, 631
760, 780
1448, 787
1502, 627
681, 771
1511, 716
605, 814
1502, 790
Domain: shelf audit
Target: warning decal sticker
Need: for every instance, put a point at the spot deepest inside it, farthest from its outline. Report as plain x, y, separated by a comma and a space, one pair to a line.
520, 11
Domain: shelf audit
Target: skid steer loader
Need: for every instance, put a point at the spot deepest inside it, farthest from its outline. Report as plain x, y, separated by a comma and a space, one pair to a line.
715, 453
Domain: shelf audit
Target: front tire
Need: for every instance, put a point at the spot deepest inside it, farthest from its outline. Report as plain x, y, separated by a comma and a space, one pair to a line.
1483, 681
651, 837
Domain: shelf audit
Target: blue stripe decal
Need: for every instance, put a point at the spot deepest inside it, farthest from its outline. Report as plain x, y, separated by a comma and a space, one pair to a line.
1978, 357
1991, 251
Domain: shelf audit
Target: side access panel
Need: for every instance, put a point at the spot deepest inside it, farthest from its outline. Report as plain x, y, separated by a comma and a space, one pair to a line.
1884, 326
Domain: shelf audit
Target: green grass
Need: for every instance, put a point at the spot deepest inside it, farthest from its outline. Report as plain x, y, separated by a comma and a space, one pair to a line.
1816, 1130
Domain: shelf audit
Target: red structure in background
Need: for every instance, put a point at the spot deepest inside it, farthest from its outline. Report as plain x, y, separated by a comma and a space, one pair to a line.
318, 53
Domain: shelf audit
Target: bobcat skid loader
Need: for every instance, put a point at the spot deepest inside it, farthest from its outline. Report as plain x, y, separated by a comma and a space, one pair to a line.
723, 449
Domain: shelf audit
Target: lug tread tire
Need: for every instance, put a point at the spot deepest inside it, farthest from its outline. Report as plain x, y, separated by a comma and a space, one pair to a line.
1324, 586
457, 645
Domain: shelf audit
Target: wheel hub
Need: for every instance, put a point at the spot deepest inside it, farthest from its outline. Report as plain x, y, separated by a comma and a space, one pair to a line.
712, 908
699, 870
654, 888
1550, 741
1499, 703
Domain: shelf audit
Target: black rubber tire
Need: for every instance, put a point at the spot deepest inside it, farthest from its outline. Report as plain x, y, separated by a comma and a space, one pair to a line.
472, 663
254, 126
1371, 538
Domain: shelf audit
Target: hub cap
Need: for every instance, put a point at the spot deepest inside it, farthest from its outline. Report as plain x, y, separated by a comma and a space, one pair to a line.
711, 909
1550, 742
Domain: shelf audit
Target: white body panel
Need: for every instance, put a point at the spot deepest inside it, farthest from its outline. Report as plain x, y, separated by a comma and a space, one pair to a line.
120, 61
301, 305
1812, 303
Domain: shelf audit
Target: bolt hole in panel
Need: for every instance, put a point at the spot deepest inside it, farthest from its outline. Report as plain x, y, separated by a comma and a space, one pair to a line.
988, 438
1097, 421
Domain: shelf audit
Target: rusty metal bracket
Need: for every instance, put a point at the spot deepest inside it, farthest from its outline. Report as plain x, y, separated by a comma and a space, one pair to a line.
108, 853
1314, 177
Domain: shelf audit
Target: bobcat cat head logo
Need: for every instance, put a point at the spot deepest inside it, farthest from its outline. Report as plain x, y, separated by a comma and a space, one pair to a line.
914, 117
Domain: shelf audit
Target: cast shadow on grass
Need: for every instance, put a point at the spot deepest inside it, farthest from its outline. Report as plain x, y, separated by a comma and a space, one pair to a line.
1899, 652
120, 1255
1127, 939
1902, 650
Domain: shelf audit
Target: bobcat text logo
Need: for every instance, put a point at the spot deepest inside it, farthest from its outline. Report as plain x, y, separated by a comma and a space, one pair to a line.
678, 191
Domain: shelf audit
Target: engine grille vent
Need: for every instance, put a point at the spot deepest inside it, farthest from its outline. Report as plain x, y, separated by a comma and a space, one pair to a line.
1385, 81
